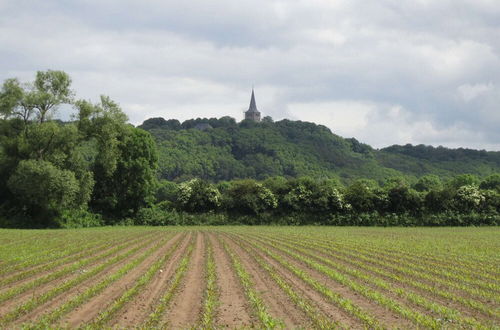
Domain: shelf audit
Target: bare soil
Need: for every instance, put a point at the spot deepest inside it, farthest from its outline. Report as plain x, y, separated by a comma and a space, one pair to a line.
24, 297
88, 311
67, 295
186, 308
279, 304
234, 310
136, 311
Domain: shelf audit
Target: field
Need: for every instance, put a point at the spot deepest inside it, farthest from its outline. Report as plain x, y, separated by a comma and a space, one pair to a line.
261, 277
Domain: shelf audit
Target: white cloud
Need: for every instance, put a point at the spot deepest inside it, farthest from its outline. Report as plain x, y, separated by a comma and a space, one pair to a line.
470, 92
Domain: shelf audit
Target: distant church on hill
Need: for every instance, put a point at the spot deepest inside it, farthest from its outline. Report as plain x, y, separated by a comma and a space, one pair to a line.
252, 113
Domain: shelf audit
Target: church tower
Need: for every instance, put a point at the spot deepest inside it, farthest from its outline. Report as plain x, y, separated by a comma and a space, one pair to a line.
252, 113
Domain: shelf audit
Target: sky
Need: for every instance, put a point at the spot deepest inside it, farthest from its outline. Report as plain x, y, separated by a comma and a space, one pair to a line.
385, 72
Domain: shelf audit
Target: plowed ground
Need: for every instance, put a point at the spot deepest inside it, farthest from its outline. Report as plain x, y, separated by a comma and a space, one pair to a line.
264, 277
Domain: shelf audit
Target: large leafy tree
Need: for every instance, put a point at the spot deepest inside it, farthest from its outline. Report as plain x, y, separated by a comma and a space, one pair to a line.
41, 97
44, 190
125, 162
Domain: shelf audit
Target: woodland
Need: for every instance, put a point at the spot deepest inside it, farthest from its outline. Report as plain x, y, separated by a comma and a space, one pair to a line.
97, 169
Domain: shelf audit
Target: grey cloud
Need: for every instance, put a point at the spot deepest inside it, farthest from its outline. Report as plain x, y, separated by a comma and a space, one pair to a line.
167, 57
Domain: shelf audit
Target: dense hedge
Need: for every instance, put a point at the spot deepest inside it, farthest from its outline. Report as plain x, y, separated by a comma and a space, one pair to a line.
462, 201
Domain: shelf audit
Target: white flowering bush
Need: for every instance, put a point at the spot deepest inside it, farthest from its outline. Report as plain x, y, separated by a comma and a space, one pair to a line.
468, 198
198, 196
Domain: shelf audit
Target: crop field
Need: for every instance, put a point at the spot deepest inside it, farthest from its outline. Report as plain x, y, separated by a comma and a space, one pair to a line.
260, 277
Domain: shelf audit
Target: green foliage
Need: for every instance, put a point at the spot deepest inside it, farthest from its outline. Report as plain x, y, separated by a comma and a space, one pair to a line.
50, 171
463, 180
99, 169
310, 196
428, 182
468, 198
249, 197
287, 148
42, 188
48, 90
491, 182
131, 185
362, 195
198, 196
79, 218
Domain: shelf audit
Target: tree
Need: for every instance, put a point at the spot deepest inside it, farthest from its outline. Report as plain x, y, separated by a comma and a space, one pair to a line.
462, 180
49, 90
16, 101
250, 197
122, 191
468, 198
428, 182
198, 196
44, 189
491, 182
361, 195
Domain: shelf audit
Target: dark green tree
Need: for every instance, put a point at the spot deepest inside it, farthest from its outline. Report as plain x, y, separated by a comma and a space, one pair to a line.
44, 190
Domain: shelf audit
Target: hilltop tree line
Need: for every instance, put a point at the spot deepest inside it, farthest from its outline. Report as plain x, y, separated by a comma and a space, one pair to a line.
97, 169
230, 150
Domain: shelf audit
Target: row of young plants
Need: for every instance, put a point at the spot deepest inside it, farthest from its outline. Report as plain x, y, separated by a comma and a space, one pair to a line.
90, 259
364, 290
391, 268
430, 270
338, 300
35, 253
49, 319
453, 263
80, 258
316, 317
154, 320
473, 287
463, 267
107, 314
348, 276
211, 296
253, 296
58, 247
38, 300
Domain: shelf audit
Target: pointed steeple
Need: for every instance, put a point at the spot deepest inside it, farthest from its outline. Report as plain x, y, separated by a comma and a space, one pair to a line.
252, 113
253, 106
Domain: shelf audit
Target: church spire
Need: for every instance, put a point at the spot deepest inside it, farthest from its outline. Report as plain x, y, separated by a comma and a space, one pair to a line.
252, 113
253, 106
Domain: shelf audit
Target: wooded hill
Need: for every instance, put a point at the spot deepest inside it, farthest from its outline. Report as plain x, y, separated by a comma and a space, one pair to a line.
228, 150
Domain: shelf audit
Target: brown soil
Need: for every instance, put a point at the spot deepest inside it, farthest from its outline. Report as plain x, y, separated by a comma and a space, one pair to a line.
135, 312
99, 250
88, 311
233, 310
22, 298
315, 298
382, 314
464, 310
278, 303
62, 298
102, 242
187, 306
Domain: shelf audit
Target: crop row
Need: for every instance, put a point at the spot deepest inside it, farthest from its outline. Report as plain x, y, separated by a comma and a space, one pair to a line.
446, 314
40, 299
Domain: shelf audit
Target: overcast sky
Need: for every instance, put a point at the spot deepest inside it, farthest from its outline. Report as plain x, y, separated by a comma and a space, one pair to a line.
386, 71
